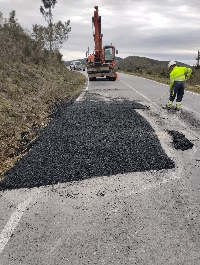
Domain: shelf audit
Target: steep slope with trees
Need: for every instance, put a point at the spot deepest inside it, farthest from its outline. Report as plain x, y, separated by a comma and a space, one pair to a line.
33, 81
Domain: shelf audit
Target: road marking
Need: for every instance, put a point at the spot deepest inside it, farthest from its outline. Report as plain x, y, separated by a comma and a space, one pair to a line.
87, 84
191, 110
135, 90
162, 83
192, 92
80, 97
151, 100
12, 223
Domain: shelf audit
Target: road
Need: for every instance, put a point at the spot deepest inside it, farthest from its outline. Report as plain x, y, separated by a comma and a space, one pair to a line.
133, 200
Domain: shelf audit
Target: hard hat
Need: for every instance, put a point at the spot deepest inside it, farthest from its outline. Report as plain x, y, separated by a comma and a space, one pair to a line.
171, 63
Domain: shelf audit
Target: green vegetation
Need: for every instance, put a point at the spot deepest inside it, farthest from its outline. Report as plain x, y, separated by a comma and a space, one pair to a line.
156, 70
33, 81
52, 36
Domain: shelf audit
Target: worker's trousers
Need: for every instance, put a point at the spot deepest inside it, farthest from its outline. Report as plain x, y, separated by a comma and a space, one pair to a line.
177, 91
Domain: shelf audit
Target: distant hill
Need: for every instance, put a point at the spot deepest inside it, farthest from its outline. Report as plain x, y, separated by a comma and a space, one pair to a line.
143, 64
118, 59
149, 68
83, 60
154, 69
132, 62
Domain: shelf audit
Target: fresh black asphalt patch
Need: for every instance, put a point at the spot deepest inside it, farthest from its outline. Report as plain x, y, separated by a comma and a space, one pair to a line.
180, 141
89, 139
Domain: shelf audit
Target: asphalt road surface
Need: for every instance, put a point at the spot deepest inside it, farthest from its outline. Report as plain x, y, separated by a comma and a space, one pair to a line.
109, 181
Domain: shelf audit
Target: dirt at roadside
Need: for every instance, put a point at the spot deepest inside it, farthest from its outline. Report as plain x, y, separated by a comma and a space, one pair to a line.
29, 94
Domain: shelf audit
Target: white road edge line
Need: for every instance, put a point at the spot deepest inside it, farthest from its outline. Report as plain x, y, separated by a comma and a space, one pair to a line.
87, 85
191, 110
80, 97
12, 223
187, 91
135, 90
151, 100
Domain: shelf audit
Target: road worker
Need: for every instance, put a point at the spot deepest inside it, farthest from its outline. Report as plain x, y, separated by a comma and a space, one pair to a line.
91, 58
178, 75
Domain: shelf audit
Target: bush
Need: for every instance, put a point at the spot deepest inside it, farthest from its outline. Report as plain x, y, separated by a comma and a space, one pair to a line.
33, 80
17, 45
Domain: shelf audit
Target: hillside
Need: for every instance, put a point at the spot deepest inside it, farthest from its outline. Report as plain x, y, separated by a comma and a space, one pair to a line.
137, 63
156, 70
152, 69
33, 83
83, 60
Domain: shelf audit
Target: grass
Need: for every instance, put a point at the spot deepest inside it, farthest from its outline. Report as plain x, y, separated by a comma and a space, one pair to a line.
28, 94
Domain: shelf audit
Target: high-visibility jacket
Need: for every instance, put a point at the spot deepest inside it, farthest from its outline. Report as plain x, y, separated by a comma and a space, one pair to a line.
92, 58
89, 58
179, 73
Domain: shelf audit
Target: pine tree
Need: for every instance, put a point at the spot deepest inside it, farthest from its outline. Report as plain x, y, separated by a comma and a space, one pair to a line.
56, 33
198, 58
48, 4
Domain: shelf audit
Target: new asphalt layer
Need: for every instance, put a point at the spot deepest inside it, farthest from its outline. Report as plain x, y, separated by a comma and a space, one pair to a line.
89, 139
138, 216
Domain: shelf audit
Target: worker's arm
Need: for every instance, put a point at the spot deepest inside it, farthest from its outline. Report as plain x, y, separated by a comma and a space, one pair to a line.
172, 76
171, 85
188, 73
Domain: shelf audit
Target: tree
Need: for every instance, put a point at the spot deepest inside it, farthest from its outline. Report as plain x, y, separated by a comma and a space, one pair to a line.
53, 41
40, 35
1, 18
197, 58
55, 34
15, 44
59, 33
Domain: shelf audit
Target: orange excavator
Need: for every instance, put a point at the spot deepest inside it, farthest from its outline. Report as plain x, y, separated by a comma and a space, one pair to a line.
102, 62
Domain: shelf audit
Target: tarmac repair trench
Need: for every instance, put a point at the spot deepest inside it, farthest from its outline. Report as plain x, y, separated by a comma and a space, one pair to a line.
89, 139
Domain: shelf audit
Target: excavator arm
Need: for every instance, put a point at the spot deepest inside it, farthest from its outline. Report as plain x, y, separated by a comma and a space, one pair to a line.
103, 63
96, 20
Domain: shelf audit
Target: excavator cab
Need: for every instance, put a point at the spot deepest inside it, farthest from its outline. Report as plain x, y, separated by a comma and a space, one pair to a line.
109, 54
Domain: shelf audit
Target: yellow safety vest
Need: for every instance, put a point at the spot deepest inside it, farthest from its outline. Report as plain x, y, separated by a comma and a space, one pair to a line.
179, 73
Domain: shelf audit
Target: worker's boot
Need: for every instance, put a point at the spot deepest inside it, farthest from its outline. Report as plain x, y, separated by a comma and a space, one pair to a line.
178, 106
169, 104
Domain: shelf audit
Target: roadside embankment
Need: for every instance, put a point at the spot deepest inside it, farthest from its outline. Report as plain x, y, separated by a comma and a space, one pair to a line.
28, 95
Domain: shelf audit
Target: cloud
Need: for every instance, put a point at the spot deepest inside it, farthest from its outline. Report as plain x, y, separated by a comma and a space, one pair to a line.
164, 31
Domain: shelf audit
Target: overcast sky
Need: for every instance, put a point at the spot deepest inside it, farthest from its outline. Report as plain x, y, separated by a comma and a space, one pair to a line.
161, 30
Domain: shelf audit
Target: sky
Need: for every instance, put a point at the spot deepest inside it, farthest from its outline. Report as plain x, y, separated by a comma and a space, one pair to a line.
148, 28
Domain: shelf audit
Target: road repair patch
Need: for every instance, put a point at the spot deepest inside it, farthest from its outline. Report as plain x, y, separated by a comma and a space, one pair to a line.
89, 139
180, 141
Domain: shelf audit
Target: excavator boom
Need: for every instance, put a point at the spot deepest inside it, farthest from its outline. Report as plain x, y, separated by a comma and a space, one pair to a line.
96, 19
102, 62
